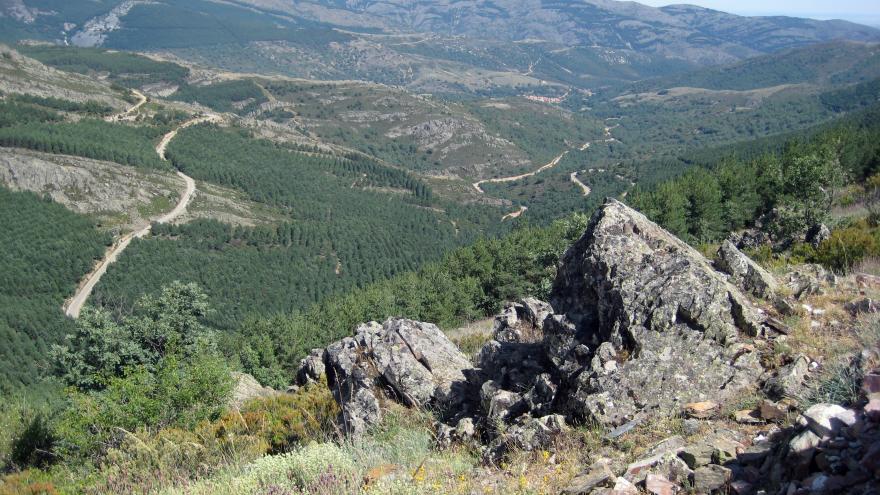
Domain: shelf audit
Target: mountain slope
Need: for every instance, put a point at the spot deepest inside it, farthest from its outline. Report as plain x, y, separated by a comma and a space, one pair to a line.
426, 45
679, 31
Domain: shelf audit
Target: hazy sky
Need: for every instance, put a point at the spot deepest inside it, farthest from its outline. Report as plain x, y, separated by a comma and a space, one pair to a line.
862, 11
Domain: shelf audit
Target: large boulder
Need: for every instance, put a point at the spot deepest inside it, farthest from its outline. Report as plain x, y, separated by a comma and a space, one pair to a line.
744, 272
674, 324
401, 360
245, 388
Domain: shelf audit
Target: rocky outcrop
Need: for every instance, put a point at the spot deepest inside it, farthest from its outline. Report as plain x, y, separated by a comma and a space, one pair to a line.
744, 272
639, 325
401, 360
644, 323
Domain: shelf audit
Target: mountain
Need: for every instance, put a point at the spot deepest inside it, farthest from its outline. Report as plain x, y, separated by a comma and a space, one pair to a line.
678, 31
447, 46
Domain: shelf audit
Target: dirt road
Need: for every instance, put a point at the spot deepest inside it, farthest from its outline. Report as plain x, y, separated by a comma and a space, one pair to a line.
585, 188
549, 165
74, 305
515, 214
142, 99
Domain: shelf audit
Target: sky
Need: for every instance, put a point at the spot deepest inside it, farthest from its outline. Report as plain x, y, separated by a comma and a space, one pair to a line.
861, 11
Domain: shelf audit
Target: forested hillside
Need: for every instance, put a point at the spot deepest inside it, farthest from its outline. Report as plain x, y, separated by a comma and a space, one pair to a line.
353, 221
44, 250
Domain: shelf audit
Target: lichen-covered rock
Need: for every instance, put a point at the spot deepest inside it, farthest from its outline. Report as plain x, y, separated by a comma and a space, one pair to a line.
311, 368
744, 272
403, 360
660, 305
788, 380
528, 434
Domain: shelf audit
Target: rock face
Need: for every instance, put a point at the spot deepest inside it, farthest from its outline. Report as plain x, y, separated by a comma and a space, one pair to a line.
402, 360
644, 323
744, 272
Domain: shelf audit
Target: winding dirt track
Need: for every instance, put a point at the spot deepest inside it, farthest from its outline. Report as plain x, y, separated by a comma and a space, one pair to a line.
142, 99
74, 305
585, 188
573, 177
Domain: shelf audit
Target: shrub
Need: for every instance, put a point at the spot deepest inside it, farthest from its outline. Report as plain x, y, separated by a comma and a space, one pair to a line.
847, 247
34, 446
26, 483
285, 421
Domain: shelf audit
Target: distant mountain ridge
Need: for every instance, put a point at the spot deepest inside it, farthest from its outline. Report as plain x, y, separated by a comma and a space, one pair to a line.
688, 32
685, 32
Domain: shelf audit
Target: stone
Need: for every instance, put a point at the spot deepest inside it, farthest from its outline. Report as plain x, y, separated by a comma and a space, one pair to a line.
740, 487
804, 445
311, 368
745, 273
662, 460
697, 455
658, 485
402, 360
788, 380
527, 434
826, 420
465, 429
808, 280
816, 234
701, 410
661, 306
865, 305
623, 487
710, 479
771, 411
872, 410
748, 416
247, 388
597, 474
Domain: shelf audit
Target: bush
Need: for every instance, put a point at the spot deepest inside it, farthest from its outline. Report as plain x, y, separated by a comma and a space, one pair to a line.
26, 483
846, 247
33, 447
178, 394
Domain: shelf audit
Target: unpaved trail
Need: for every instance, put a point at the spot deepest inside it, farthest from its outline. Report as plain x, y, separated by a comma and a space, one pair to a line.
142, 99
549, 165
74, 305
515, 214
585, 188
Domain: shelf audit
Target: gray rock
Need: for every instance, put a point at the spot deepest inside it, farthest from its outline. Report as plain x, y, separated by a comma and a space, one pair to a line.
597, 474
826, 420
807, 280
504, 406
630, 283
311, 368
465, 429
246, 388
788, 380
662, 459
711, 479
527, 434
865, 305
697, 455
403, 360
817, 233
744, 272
